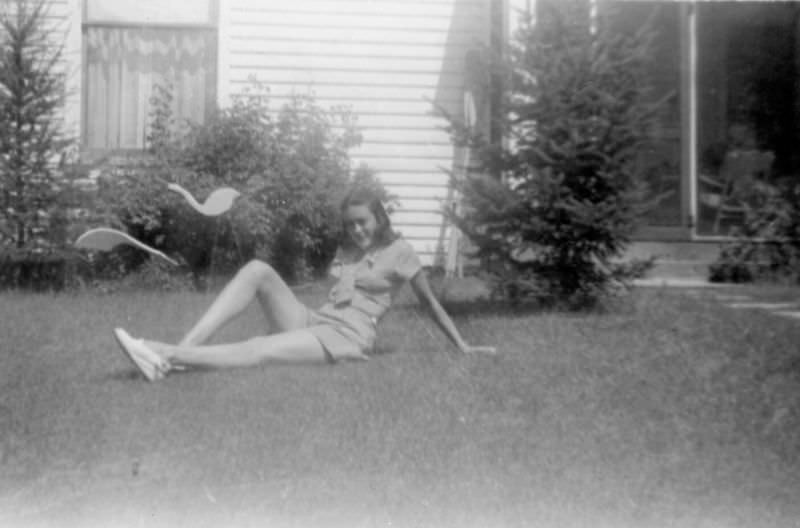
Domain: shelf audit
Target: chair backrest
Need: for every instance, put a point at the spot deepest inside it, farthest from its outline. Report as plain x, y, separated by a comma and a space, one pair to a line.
741, 168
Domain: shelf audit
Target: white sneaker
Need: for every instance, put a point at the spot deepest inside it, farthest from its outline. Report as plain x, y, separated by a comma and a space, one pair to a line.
153, 366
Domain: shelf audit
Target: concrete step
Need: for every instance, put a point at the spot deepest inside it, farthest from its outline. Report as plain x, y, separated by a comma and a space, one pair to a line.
680, 260
678, 251
680, 269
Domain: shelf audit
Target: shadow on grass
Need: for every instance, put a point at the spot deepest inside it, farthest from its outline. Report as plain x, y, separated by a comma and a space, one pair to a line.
126, 375
491, 308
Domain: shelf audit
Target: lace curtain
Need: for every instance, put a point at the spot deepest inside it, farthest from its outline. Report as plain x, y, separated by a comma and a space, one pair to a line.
122, 67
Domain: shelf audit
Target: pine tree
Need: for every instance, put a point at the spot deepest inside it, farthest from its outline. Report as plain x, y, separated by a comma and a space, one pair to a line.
552, 205
32, 93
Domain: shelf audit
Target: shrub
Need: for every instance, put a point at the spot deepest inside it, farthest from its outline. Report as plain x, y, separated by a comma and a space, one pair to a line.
291, 166
37, 271
548, 209
767, 246
157, 275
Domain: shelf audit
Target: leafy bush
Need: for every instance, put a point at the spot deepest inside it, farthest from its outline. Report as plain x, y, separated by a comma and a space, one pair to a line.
550, 207
46, 271
291, 165
155, 274
767, 246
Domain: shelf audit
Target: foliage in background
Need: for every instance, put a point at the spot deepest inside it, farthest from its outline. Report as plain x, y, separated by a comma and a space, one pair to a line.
36, 192
550, 208
767, 246
32, 92
292, 167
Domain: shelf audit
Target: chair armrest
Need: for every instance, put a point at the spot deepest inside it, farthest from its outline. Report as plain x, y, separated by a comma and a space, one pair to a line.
710, 181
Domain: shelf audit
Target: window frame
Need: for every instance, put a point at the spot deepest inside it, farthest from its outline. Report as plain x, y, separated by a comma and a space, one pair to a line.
212, 26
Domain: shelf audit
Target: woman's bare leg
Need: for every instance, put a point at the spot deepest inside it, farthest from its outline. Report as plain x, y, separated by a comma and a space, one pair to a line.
255, 280
295, 346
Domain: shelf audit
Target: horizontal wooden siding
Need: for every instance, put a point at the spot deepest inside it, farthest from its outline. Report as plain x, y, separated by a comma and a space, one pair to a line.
390, 61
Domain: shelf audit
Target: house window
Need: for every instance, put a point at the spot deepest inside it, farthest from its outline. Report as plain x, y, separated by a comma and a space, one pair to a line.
132, 47
659, 163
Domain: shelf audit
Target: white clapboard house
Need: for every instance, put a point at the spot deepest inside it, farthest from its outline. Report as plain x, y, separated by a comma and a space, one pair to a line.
731, 69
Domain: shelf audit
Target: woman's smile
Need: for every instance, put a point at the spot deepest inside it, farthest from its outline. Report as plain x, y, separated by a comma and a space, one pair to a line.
361, 225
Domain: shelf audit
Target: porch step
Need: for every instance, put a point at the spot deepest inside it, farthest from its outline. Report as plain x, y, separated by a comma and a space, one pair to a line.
677, 251
680, 269
684, 260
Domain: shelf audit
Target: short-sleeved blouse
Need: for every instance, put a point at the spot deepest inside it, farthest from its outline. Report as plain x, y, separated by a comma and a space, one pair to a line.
366, 285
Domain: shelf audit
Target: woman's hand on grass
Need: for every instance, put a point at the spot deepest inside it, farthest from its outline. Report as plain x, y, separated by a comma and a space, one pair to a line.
480, 349
423, 290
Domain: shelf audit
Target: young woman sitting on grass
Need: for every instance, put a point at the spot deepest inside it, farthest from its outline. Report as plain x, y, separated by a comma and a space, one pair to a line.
371, 264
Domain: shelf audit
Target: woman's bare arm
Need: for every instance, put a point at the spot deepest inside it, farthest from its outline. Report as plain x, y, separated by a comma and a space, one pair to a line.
425, 295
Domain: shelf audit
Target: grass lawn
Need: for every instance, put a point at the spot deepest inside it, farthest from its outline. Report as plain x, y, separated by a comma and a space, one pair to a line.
668, 411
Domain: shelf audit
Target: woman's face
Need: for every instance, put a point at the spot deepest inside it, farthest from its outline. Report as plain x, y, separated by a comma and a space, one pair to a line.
360, 224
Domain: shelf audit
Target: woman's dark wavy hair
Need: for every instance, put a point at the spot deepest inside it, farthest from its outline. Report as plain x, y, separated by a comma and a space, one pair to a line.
384, 234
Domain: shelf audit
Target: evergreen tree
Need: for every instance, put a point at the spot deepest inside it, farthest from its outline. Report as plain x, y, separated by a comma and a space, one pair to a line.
551, 206
32, 93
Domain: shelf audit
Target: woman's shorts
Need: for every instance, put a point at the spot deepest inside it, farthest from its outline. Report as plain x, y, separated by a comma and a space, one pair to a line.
345, 333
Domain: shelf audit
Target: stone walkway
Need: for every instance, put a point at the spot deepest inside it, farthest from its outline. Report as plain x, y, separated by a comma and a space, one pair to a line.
743, 302
724, 293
